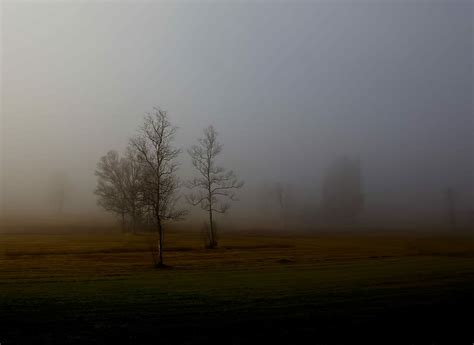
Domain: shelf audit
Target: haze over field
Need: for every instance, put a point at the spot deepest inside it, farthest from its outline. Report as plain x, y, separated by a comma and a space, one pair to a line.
290, 87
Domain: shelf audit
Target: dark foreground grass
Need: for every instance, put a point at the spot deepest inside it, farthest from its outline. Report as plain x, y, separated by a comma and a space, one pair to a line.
75, 289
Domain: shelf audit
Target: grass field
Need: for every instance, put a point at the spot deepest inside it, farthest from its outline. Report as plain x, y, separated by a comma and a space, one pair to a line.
267, 288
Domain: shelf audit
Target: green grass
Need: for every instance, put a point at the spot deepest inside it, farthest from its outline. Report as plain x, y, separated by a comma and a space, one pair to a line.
333, 288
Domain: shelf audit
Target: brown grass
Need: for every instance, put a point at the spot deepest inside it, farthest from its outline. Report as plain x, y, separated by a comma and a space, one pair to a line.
82, 256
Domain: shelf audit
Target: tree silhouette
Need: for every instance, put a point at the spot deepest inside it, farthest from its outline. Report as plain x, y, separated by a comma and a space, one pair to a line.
214, 187
160, 184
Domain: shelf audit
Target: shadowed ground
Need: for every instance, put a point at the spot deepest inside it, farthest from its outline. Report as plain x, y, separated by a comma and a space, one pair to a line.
332, 289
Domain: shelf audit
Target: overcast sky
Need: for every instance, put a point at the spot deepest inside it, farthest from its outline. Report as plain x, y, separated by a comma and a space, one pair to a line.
289, 86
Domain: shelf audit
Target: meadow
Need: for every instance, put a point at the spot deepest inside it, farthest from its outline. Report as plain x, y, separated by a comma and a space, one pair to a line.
331, 288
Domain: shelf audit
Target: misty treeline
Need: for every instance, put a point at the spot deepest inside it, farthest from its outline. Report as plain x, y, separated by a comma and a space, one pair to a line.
143, 189
341, 202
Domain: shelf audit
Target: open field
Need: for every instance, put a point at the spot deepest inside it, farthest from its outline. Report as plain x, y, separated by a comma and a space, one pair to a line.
268, 288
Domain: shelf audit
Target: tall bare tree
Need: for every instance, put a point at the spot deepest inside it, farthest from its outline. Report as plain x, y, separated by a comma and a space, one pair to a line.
160, 186
214, 187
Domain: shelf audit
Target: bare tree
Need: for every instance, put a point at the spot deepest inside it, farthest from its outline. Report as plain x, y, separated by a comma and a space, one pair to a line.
281, 194
119, 186
160, 183
214, 186
110, 187
132, 175
60, 188
276, 197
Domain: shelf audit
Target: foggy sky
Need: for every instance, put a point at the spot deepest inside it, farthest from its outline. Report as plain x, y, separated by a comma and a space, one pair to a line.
289, 86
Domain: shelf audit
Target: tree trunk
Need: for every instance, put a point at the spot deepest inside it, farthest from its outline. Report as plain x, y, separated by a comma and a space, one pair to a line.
123, 222
212, 240
160, 244
134, 221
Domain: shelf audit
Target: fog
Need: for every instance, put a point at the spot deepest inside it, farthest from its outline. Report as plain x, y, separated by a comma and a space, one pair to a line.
290, 87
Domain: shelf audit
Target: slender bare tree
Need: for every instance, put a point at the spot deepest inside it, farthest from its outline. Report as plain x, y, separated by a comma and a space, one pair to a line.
160, 187
214, 186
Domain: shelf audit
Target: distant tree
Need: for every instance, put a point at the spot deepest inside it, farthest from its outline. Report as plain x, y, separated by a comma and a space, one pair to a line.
132, 178
277, 198
342, 196
60, 188
214, 187
119, 187
110, 185
160, 184
281, 193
